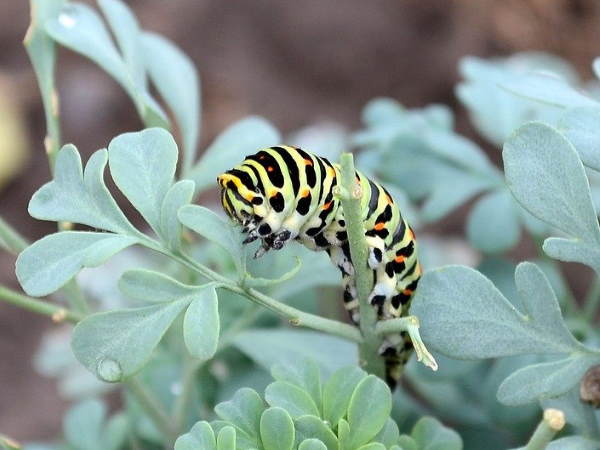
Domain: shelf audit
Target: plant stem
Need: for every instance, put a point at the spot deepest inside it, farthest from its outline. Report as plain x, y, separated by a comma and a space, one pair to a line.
190, 368
57, 313
592, 300
552, 423
351, 194
409, 324
153, 408
10, 239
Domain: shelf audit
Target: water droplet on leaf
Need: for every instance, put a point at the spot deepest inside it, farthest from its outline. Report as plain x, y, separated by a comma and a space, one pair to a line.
67, 17
109, 370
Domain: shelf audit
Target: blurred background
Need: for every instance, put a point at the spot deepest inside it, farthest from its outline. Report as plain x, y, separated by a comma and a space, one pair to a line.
294, 63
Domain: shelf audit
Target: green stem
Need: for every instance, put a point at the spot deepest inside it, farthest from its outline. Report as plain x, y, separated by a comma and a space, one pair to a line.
592, 300
57, 313
552, 423
351, 195
154, 409
409, 324
10, 239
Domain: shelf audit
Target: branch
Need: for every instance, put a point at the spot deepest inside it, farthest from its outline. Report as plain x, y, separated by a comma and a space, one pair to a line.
10, 239
350, 196
409, 324
58, 313
552, 423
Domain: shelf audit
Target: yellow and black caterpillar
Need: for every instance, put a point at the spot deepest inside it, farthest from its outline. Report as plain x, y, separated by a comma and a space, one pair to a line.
284, 193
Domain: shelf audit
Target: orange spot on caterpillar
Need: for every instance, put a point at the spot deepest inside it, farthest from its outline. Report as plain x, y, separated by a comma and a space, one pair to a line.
399, 258
327, 205
305, 193
308, 162
407, 292
270, 169
379, 226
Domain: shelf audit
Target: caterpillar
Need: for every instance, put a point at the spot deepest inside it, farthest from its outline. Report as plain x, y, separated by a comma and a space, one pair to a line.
284, 193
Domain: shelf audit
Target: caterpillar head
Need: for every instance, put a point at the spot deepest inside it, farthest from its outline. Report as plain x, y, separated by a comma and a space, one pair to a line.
239, 197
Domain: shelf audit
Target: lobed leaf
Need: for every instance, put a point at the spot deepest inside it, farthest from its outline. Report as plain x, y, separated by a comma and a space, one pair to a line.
226, 439
79, 197
455, 303
429, 433
114, 345
176, 79
150, 286
179, 195
201, 436
374, 396
296, 401
48, 264
305, 375
143, 166
338, 390
312, 444
311, 427
580, 126
242, 138
243, 411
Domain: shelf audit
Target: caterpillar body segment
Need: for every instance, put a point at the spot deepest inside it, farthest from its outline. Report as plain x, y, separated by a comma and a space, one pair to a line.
284, 193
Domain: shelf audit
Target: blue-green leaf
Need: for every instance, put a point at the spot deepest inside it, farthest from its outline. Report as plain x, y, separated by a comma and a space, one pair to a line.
242, 138
49, 263
371, 395
308, 427
116, 344
338, 391
547, 177
150, 286
176, 79
281, 346
455, 303
429, 433
545, 380
83, 425
573, 443
179, 195
276, 429
312, 444
580, 126
209, 225
493, 225
226, 439
201, 324
78, 196
201, 436
296, 401
304, 374
143, 166
243, 411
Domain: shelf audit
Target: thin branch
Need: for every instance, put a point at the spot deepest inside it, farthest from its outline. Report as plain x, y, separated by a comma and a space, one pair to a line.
351, 194
552, 423
10, 239
58, 313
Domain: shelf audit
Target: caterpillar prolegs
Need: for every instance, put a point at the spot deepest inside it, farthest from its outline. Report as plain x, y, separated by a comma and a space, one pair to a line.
283, 193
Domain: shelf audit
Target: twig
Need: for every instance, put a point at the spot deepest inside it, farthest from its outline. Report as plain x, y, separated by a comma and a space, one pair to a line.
10, 239
58, 313
350, 196
552, 423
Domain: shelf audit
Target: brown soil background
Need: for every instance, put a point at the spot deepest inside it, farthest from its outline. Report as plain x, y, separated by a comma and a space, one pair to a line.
291, 62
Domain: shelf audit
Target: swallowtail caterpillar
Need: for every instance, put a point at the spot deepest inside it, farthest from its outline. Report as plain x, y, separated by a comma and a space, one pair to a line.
283, 193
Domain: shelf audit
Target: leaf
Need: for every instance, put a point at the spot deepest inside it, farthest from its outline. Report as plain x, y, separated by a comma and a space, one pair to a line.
150, 286
79, 197
226, 440
547, 88
573, 250
143, 166
573, 443
389, 434
209, 225
48, 264
176, 79
372, 446
545, 380
79, 28
286, 347
296, 401
580, 415
243, 138
83, 425
201, 436
114, 345
371, 395
430, 434
304, 374
455, 303
545, 175
179, 195
493, 224
312, 444
580, 126
338, 391
276, 429
243, 411
310, 427
201, 324
343, 431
